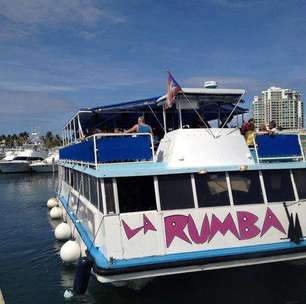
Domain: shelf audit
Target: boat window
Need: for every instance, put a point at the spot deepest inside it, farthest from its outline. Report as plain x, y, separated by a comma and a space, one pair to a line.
34, 158
136, 193
278, 185
73, 178
21, 158
67, 175
299, 179
246, 188
77, 181
175, 191
93, 191
109, 195
86, 186
212, 189
100, 196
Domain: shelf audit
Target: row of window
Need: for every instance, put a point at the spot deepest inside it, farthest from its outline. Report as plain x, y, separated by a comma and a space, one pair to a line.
182, 191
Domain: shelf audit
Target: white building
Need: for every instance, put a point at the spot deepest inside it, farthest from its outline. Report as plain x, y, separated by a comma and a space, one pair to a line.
284, 106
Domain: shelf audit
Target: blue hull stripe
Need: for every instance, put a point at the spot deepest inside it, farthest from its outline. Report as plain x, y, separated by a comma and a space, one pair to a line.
102, 262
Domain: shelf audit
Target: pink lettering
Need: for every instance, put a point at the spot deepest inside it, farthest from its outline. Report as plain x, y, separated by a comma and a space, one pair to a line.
222, 227
271, 221
147, 225
129, 232
174, 227
193, 231
247, 227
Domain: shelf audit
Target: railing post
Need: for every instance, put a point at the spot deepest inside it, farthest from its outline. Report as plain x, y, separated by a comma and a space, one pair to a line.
95, 151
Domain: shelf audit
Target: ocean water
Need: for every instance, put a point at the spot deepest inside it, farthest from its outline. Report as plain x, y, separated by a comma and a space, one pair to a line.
31, 270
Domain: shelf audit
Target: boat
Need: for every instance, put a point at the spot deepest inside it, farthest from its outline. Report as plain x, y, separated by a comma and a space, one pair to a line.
202, 200
48, 165
19, 160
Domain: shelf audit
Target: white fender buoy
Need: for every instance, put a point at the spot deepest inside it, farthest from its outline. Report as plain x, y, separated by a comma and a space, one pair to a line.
70, 252
56, 213
52, 202
62, 232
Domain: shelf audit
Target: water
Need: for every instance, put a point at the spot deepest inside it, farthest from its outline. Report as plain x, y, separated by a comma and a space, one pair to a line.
31, 270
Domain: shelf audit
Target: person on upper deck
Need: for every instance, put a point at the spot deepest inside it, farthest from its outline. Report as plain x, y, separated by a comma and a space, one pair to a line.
140, 127
272, 127
248, 130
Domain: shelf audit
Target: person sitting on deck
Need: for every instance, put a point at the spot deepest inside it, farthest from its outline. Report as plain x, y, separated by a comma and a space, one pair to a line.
140, 127
248, 130
272, 127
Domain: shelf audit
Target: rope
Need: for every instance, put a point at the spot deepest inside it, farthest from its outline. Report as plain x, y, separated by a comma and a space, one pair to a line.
93, 241
232, 112
157, 119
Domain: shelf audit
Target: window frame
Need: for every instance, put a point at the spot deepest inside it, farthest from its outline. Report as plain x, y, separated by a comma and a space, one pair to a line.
292, 184
229, 190
158, 187
296, 192
260, 179
157, 205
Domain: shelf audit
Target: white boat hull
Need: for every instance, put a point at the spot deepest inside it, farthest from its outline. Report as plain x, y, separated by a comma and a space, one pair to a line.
44, 168
15, 167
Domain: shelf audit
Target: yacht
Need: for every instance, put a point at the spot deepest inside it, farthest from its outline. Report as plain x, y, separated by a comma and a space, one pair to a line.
19, 160
203, 200
48, 165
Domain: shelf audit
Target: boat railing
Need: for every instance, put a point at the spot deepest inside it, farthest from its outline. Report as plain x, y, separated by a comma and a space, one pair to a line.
105, 148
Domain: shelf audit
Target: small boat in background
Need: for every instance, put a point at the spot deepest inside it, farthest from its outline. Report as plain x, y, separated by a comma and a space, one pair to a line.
19, 160
48, 165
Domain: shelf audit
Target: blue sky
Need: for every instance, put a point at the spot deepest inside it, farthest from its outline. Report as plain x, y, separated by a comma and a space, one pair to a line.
59, 55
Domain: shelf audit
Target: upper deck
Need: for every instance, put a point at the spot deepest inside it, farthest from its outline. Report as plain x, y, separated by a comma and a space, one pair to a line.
184, 151
94, 141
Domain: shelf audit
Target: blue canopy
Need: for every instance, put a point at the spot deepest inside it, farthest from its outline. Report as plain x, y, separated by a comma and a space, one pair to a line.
124, 115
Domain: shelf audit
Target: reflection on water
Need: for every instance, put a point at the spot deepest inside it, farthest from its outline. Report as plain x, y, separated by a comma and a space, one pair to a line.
31, 270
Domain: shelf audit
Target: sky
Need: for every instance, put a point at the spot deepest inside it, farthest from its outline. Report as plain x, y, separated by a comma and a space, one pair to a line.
60, 55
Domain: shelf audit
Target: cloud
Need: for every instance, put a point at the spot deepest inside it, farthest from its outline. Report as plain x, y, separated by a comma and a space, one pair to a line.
243, 3
21, 87
87, 35
21, 19
28, 104
55, 12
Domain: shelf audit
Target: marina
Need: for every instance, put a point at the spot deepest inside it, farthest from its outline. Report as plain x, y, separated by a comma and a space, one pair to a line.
152, 152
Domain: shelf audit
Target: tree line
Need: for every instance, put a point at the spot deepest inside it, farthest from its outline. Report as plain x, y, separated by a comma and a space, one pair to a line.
50, 140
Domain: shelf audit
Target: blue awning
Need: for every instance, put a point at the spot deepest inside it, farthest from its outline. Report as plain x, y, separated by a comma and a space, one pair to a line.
124, 115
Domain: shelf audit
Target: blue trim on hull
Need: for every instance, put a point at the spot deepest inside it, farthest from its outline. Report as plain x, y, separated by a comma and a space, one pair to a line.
102, 262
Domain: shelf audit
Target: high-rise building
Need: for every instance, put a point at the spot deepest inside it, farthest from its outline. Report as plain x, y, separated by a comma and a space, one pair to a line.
284, 106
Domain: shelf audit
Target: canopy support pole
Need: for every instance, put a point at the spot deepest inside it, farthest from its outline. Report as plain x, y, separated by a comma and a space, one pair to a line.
81, 134
165, 120
180, 114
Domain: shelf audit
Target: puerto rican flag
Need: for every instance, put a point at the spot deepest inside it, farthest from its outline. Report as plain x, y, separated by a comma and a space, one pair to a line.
172, 89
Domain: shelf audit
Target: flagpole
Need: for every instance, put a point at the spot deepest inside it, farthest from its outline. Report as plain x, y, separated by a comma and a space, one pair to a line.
180, 90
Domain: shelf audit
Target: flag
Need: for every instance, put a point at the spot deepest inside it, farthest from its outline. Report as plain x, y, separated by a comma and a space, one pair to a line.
172, 89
